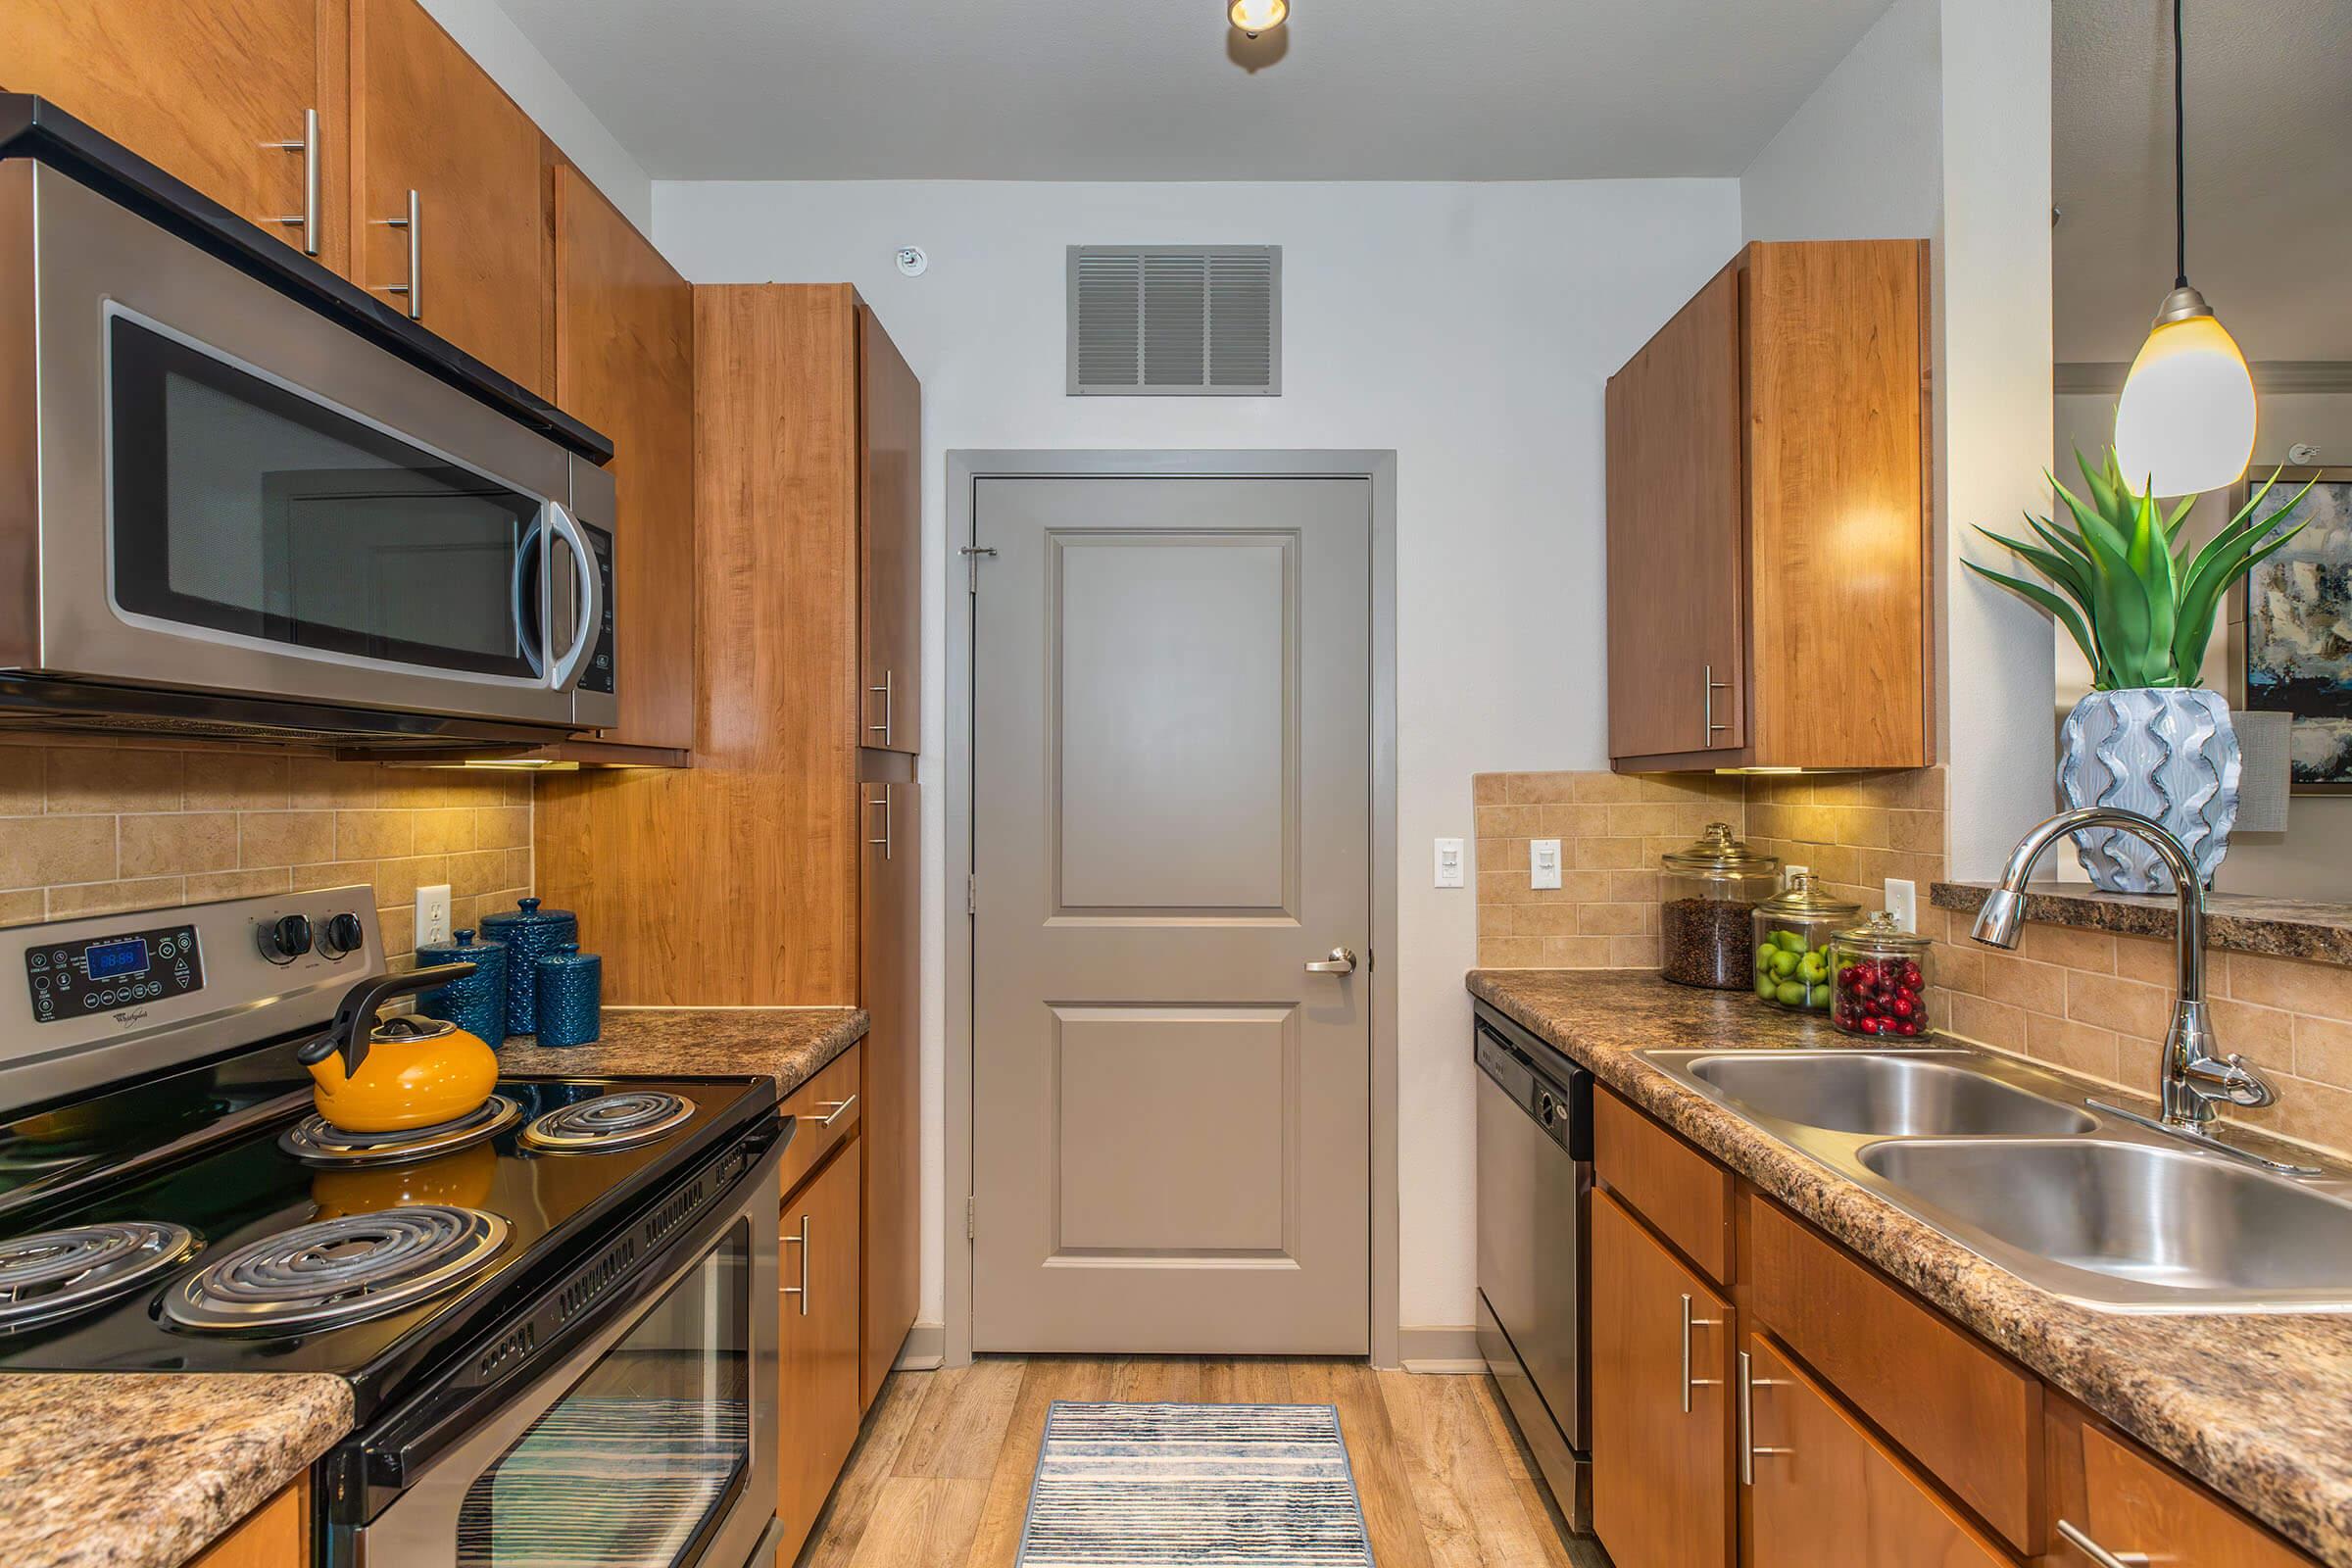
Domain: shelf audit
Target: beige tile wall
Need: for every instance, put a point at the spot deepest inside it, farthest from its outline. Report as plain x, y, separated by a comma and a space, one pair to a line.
1853, 830
88, 828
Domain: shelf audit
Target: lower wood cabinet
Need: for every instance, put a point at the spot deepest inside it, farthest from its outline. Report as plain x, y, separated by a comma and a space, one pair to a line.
1661, 1402
276, 1535
2124, 1504
1822, 1489
817, 1343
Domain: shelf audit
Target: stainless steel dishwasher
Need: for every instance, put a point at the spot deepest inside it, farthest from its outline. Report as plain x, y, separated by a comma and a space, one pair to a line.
1535, 1192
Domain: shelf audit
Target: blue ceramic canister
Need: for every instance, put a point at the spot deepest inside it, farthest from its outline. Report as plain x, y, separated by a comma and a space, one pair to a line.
531, 934
476, 1003
571, 989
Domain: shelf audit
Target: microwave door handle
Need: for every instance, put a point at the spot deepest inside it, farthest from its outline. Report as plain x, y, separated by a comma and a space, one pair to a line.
568, 669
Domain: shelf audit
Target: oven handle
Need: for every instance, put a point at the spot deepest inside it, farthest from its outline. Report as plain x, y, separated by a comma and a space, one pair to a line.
591, 600
400, 1462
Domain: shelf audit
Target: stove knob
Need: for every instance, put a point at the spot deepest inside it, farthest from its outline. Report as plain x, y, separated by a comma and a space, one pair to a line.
343, 935
285, 939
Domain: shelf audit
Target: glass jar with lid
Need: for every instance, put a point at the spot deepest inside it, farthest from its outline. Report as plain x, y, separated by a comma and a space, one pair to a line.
1707, 889
1792, 940
1882, 975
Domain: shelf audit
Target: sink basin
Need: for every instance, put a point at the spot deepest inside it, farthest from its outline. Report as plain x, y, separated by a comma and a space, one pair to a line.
2165, 1227
1885, 1093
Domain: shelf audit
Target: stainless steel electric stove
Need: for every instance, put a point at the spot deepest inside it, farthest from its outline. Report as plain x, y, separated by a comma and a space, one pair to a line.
557, 1315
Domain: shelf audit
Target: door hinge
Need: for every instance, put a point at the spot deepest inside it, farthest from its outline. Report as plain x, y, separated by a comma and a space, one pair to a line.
972, 557
971, 1219
971, 895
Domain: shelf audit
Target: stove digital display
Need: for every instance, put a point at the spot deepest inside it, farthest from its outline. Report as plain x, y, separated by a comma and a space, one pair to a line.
108, 973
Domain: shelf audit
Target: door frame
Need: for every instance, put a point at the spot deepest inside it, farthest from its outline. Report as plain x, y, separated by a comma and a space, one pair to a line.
965, 469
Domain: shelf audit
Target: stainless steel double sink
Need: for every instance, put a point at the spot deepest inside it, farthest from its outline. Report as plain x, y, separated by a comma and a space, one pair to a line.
2014, 1164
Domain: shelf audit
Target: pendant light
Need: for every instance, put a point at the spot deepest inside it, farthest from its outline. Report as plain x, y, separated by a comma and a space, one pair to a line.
2186, 423
1254, 17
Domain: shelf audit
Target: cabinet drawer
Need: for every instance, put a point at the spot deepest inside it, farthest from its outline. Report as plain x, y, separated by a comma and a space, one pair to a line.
1979, 1435
831, 1094
2127, 1501
1685, 1196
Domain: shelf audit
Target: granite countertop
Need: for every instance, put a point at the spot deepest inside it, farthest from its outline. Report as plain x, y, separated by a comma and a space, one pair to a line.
2259, 1407
144, 1469
2240, 922
791, 1045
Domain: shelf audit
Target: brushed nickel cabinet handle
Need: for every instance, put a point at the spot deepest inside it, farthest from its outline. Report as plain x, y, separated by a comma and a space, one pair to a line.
1713, 686
1340, 961
841, 1109
882, 799
802, 1242
308, 218
888, 681
2099, 1554
1689, 1382
414, 289
1748, 1384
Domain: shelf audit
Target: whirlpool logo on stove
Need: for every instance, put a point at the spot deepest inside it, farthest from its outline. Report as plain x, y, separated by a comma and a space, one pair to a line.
130, 1015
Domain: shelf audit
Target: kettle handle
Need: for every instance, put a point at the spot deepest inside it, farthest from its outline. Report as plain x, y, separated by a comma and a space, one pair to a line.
354, 1016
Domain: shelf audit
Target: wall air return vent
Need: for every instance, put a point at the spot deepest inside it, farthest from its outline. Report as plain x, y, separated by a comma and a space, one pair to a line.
1175, 320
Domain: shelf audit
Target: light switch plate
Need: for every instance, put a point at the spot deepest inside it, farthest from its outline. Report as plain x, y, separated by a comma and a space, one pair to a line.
1902, 901
1450, 862
1543, 862
432, 913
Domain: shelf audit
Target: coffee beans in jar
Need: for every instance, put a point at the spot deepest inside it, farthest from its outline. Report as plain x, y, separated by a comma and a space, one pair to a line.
1709, 890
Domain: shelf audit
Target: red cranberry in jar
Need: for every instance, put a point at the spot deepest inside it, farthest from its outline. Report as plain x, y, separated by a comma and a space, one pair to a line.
1883, 979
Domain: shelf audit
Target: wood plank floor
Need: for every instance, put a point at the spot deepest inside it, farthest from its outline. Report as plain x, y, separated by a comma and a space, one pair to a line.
940, 1478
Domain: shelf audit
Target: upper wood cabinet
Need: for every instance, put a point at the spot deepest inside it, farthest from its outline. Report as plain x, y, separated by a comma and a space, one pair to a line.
890, 529
478, 266
625, 362
210, 92
1769, 596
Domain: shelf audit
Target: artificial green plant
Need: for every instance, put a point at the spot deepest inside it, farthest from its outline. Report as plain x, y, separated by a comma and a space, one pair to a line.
2139, 606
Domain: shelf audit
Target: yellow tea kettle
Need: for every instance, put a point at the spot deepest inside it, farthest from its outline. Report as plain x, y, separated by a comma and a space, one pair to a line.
405, 1072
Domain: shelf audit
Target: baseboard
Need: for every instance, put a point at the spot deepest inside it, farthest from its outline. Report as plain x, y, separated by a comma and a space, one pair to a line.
1435, 1349
925, 1350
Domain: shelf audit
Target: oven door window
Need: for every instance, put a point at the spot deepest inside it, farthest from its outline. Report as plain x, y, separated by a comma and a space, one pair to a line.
244, 509
641, 1459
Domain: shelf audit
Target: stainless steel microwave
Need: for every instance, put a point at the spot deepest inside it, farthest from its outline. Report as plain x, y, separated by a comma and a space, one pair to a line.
223, 509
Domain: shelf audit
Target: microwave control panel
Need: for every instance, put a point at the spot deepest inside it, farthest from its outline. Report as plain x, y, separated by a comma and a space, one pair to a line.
600, 672
74, 978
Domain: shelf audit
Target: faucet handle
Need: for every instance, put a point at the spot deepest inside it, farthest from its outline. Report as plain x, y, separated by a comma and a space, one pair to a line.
2232, 1080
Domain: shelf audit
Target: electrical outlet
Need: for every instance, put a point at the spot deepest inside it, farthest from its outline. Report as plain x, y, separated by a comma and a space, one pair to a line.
1450, 862
1902, 901
1790, 874
1543, 862
432, 913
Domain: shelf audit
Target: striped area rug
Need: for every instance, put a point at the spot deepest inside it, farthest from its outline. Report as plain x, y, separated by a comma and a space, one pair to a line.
1194, 1485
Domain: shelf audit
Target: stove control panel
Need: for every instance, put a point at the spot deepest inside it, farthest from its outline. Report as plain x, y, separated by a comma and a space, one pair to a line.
70, 978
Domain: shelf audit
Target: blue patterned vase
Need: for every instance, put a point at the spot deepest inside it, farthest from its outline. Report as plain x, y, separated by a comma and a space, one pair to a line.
531, 934
571, 989
2165, 752
476, 1003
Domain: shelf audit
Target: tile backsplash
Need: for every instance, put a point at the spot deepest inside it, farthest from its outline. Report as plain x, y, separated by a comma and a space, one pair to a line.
93, 827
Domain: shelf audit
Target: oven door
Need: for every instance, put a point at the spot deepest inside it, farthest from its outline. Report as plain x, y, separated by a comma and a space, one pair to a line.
651, 1444
239, 496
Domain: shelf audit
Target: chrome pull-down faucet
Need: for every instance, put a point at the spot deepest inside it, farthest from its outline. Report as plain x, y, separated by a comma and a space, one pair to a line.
2194, 1080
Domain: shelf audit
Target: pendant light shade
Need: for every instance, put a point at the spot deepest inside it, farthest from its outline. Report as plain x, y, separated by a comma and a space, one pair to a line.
2186, 423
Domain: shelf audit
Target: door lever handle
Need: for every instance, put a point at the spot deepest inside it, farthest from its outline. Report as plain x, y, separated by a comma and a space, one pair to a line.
1340, 961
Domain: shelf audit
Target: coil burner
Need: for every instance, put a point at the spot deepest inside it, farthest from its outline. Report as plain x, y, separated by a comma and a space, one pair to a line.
54, 1274
619, 1120
316, 1140
338, 1271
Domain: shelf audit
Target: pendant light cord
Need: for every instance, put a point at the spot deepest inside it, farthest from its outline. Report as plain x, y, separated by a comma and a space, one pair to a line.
2179, 159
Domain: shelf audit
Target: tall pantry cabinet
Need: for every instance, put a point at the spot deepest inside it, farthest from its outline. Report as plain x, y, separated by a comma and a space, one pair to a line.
784, 866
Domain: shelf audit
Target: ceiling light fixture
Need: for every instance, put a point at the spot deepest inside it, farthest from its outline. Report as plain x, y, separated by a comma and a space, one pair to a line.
2187, 418
1254, 17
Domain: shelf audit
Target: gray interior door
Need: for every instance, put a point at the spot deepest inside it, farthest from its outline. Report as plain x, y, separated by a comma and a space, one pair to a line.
1171, 820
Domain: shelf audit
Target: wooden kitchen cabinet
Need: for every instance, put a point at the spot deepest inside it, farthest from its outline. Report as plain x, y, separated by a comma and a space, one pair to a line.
624, 364
890, 534
817, 1341
478, 267
1661, 1352
275, 1535
1825, 1489
1769, 532
890, 901
2128, 1501
205, 91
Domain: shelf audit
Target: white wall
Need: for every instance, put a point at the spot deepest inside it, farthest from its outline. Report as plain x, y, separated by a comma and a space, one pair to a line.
1471, 328
1861, 158
500, 48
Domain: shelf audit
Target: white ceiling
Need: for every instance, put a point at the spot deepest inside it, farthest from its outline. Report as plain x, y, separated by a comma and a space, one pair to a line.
2270, 172
1156, 89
